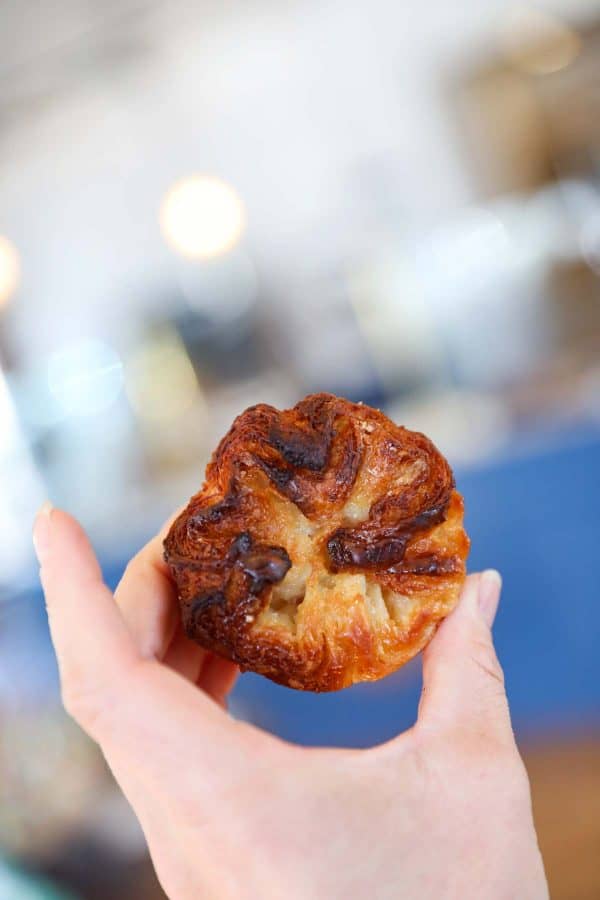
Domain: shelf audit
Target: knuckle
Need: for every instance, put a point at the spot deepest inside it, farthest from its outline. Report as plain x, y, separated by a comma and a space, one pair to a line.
483, 656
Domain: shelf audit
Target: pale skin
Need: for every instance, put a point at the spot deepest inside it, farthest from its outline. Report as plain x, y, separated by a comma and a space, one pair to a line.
229, 811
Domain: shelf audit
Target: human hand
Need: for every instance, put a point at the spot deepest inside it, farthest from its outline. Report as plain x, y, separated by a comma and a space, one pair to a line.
441, 811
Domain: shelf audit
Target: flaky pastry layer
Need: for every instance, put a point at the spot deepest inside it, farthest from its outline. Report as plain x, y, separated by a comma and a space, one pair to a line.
324, 548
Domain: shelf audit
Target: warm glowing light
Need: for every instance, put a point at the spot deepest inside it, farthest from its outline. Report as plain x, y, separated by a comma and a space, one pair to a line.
160, 381
538, 43
10, 270
202, 216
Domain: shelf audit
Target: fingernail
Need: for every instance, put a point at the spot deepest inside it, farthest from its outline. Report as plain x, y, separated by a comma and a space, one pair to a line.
490, 584
41, 531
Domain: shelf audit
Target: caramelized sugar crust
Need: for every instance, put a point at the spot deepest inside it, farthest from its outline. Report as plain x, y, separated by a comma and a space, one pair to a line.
324, 548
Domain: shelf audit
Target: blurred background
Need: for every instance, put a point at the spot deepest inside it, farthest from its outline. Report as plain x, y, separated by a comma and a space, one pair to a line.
204, 205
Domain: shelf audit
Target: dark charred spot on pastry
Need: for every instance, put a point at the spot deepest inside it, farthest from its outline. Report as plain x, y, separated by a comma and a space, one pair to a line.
200, 606
241, 545
429, 565
300, 448
347, 461
427, 519
311, 454
280, 477
215, 513
371, 546
264, 565
347, 549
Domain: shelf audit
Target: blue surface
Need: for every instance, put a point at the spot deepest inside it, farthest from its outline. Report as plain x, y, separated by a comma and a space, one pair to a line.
536, 519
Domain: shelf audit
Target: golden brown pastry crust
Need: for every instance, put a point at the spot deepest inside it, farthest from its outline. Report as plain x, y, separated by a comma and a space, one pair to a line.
324, 548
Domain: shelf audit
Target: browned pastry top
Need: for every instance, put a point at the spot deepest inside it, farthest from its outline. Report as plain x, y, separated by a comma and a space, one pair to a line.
324, 548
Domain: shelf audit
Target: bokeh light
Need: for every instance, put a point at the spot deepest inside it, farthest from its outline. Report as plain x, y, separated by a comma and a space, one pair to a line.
10, 270
85, 378
202, 216
160, 381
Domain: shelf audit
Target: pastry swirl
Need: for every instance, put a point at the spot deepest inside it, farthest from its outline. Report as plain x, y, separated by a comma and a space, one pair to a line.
324, 548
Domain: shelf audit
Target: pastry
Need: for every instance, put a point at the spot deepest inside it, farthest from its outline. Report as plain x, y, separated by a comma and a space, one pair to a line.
324, 548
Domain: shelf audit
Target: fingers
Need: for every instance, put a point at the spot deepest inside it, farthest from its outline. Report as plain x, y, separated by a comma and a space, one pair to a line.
126, 703
218, 677
463, 683
93, 647
185, 656
213, 674
146, 598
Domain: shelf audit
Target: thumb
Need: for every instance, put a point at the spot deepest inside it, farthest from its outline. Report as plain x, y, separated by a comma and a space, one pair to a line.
463, 682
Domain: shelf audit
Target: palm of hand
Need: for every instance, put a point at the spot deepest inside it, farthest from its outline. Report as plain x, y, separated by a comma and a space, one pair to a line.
232, 812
